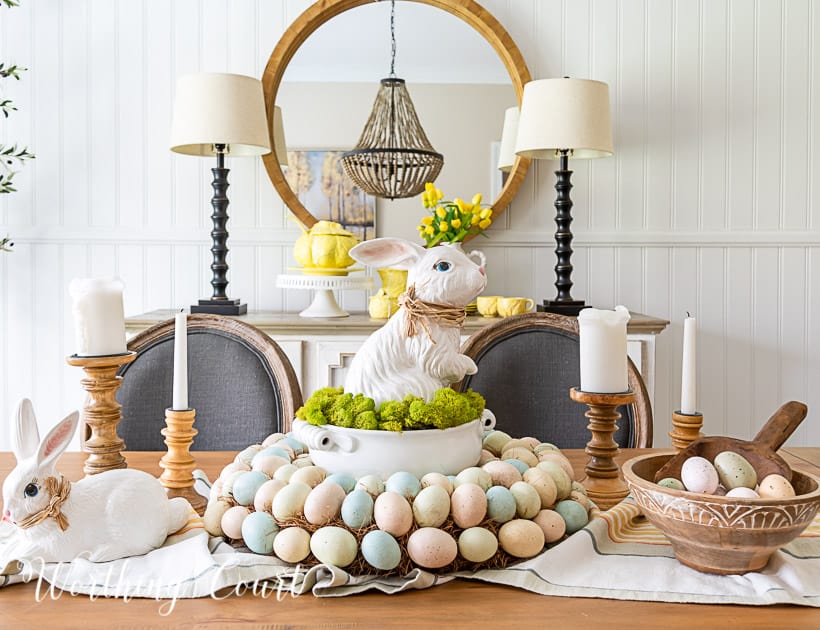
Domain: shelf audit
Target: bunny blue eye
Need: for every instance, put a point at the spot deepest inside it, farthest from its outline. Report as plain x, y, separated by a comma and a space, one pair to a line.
31, 490
442, 266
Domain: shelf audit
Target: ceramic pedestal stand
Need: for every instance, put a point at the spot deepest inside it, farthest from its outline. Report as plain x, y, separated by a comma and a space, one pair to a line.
324, 302
178, 462
101, 412
685, 429
603, 480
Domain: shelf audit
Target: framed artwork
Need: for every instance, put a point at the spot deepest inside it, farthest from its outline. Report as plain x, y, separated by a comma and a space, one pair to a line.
318, 180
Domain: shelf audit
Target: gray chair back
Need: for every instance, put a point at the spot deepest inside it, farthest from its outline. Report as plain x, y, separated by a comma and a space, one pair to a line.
526, 367
241, 384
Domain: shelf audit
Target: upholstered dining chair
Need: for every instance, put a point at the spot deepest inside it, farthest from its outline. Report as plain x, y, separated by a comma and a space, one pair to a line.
240, 382
527, 364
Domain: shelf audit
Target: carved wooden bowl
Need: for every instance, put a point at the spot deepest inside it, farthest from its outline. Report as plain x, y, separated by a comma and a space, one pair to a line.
715, 534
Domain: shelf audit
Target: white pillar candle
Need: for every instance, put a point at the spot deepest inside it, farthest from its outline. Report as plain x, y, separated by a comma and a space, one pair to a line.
688, 395
603, 350
180, 401
99, 319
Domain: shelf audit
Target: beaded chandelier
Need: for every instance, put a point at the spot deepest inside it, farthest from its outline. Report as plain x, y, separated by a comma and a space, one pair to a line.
393, 158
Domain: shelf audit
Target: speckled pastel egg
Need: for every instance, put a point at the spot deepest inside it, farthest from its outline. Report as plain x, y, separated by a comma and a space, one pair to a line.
264, 496
272, 439
468, 505
345, 482
522, 467
742, 492
294, 444
544, 485
477, 544
522, 454
245, 486
775, 487
232, 521
516, 443
527, 499
485, 456
559, 458
271, 451
403, 483
324, 503
699, 475
258, 531
212, 519
372, 484
531, 442
574, 515
269, 464
311, 475
671, 483
233, 467
502, 473
357, 509
521, 538
285, 472
228, 481
289, 502
563, 482
582, 498
334, 545
303, 461
431, 548
292, 544
246, 455
734, 470
494, 441
380, 550
437, 479
431, 507
475, 475
392, 513
552, 524
544, 446
501, 506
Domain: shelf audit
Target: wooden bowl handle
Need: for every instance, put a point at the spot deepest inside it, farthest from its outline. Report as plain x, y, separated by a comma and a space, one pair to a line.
781, 425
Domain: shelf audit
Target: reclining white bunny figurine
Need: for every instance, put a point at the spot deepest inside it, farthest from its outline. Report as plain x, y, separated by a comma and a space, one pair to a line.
115, 514
417, 350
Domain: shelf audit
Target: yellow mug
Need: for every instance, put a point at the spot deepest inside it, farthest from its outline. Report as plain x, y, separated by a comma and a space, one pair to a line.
487, 305
514, 305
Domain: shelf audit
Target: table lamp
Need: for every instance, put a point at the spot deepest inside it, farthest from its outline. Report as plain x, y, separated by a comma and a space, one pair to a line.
559, 119
219, 114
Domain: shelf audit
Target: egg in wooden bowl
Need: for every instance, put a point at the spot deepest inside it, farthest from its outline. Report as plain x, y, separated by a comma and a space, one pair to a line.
720, 534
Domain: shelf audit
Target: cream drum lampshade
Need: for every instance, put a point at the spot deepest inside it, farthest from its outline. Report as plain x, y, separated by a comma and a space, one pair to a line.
509, 134
564, 114
218, 108
280, 147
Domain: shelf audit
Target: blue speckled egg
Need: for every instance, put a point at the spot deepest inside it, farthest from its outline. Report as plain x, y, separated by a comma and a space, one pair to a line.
258, 531
345, 481
246, 485
501, 504
521, 466
403, 483
357, 509
381, 550
294, 444
573, 513
272, 450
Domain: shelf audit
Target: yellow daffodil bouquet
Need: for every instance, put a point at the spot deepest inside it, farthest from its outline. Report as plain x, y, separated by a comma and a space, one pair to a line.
451, 221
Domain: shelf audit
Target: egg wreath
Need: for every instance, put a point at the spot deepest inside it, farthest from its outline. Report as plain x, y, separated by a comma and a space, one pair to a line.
519, 499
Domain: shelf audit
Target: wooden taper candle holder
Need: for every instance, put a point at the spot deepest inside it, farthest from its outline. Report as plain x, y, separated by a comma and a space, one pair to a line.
101, 412
685, 429
178, 462
603, 480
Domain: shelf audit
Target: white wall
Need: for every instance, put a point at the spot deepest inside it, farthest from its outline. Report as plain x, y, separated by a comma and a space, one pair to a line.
709, 204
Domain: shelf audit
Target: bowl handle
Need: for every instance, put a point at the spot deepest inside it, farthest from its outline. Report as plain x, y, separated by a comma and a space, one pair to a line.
487, 421
321, 439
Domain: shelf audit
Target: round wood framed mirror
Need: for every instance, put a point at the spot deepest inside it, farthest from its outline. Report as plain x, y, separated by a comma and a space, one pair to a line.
317, 14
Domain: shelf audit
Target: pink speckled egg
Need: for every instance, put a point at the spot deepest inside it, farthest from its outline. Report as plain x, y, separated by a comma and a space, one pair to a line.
468, 505
393, 514
324, 503
232, 521
502, 473
431, 548
699, 475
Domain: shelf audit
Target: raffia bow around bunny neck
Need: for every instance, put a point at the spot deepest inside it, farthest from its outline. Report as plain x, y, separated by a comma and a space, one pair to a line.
420, 312
58, 489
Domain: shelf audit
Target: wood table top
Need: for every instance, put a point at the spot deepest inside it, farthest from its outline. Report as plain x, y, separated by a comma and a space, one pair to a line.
457, 604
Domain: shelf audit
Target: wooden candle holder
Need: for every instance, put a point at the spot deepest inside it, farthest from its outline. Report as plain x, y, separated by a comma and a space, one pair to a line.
101, 412
685, 429
603, 480
178, 462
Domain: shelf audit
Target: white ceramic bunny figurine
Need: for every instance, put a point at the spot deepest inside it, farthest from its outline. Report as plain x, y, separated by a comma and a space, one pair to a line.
115, 514
417, 350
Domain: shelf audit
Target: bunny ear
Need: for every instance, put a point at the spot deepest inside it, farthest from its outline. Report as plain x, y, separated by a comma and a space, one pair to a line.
387, 252
57, 440
26, 437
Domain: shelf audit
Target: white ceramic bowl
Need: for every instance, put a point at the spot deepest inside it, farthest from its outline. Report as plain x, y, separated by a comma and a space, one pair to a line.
358, 452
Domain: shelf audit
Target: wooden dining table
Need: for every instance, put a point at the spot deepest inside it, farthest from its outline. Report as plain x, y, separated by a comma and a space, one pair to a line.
457, 604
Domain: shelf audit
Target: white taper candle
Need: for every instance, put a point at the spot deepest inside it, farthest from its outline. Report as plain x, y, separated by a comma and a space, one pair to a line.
688, 395
180, 401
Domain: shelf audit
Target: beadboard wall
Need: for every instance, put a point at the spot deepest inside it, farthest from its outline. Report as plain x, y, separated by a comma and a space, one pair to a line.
709, 205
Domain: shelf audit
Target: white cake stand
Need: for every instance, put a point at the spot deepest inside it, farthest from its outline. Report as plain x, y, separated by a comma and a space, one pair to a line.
324, 302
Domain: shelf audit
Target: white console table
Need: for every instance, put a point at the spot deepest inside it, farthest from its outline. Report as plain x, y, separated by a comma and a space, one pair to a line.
320, 349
